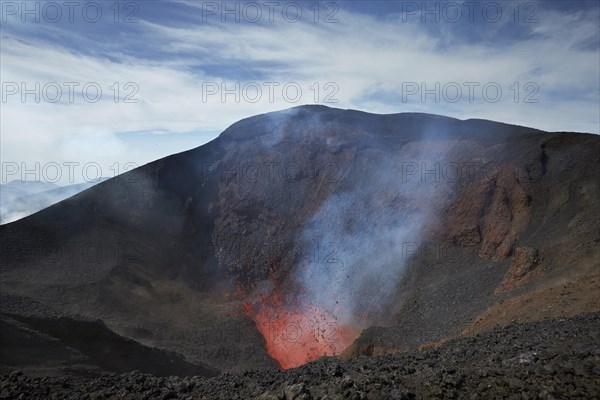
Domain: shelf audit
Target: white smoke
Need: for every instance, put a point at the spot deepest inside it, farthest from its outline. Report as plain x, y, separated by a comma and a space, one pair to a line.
366, 232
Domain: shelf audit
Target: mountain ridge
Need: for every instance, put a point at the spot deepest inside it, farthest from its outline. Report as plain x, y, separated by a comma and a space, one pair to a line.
228, 237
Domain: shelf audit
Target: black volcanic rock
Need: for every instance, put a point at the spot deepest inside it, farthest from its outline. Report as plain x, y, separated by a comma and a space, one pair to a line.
36, 336
539, 360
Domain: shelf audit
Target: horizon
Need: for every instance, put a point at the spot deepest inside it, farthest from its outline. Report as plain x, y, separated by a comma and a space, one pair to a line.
12, 169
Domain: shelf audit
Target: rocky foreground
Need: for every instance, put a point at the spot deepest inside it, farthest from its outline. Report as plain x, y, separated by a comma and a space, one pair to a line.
553, 359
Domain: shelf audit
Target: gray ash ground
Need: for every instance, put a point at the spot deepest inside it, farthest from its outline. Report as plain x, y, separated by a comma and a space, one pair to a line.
552, 359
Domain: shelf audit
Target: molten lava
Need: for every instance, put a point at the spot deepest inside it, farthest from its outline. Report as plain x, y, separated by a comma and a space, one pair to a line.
295, 332
295, 335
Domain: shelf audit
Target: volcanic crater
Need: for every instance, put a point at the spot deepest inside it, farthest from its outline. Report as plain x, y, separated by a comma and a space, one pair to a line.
307, 234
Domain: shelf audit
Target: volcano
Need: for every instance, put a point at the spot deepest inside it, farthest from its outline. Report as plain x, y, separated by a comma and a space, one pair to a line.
301, 234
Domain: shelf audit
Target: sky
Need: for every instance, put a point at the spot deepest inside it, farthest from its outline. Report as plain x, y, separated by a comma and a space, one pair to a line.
94, 88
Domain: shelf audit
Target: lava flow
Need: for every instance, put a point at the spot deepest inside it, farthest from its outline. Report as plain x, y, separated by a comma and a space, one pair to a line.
295, 337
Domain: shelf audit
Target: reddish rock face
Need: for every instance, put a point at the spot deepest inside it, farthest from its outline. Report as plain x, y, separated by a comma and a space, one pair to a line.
522, 268
492, 215
506, 217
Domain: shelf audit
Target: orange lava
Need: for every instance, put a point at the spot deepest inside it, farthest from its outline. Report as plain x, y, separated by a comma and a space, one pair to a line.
294, 334
294, 338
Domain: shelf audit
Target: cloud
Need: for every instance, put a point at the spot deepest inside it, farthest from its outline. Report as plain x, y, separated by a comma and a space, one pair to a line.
367, 58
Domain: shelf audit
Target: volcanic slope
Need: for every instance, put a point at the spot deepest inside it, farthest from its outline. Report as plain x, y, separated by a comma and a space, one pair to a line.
379, 233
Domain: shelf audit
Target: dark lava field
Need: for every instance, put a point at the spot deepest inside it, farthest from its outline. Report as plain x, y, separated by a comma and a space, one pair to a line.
553, 359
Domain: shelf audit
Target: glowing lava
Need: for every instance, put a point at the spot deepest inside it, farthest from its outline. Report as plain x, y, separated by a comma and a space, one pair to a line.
293, 336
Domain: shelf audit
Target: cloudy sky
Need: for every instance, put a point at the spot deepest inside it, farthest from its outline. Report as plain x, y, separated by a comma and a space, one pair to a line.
116, 84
